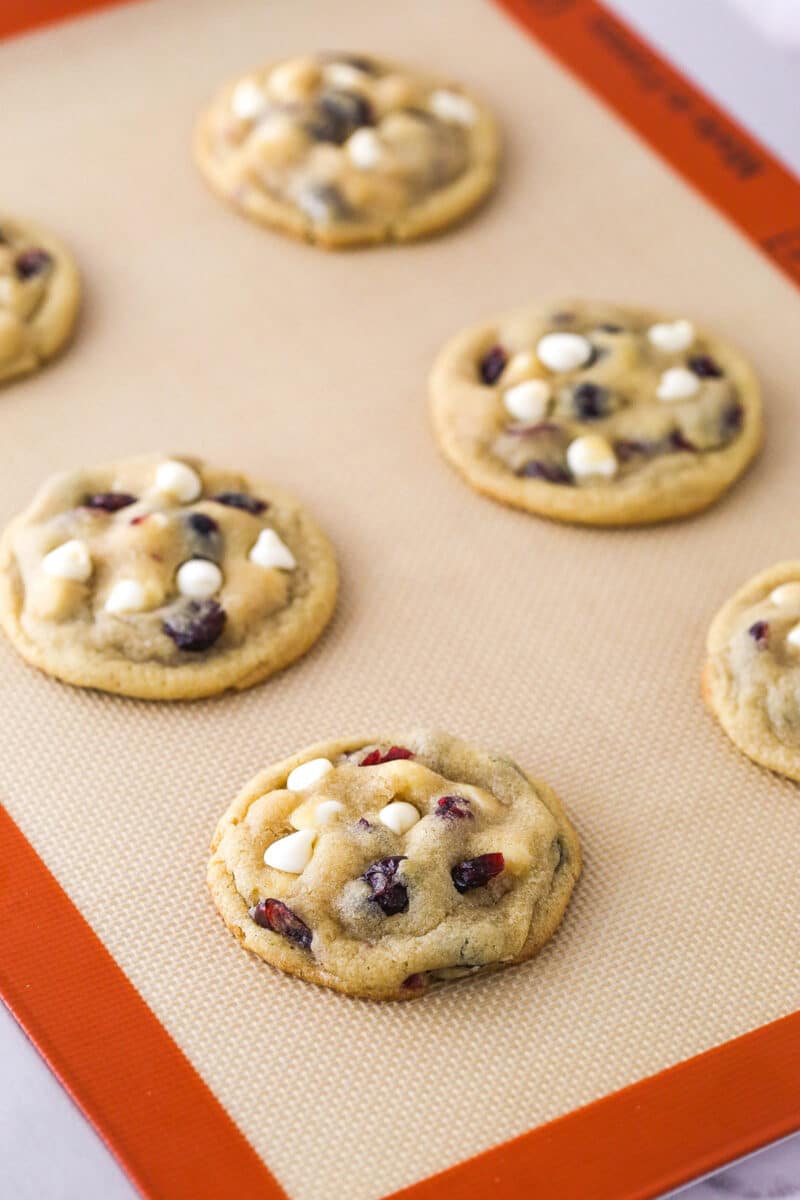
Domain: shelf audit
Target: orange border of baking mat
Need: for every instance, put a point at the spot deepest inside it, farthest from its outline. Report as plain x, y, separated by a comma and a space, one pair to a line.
107, 1048
696, 137
177, 1142
155, 1112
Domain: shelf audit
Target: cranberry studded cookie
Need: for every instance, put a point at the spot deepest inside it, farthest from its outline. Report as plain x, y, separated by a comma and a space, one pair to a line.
39, 297
751, 680
597, 414
164, 578
382, 869
345, 150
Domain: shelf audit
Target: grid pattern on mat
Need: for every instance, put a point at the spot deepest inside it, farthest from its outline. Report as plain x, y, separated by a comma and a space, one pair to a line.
577, 652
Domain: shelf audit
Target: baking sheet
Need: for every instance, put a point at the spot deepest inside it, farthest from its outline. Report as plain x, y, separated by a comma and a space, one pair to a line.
575, 651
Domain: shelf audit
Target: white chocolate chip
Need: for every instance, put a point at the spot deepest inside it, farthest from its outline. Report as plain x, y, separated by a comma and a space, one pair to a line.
671, 337
177, 479
364, 149
451, 106
564, 351
327, 811
308, 773
678, 383
70, 560
320, 814
591, 455
248, 100
270, 551
793, 637
343, 75
528, 401
398, 816
786, 595
198, 578
291, 853
127, 595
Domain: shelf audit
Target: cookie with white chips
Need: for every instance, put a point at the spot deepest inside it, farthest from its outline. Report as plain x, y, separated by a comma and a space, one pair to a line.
164, 578
383, 868
751, 679
39, 297
343, 149
596, 413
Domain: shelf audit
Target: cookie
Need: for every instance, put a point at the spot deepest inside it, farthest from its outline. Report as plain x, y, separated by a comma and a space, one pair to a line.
751, 680
344, 150
383, 868
164, 578
597, 414
39, 297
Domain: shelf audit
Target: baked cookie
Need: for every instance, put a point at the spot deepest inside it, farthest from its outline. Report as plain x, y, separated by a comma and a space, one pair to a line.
593, 413
345, 149
383, 868
39, 297
751, 680
163, 578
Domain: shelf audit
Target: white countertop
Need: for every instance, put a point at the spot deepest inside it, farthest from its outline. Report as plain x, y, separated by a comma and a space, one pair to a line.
47, 1150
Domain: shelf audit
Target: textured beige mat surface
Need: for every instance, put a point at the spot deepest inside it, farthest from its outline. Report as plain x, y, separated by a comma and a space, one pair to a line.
578, 652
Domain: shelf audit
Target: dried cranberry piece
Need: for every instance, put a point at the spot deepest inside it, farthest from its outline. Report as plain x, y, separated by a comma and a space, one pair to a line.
759, 632
679, 441
591, 401
31, 262
376, 759
476, 872
196, 625
201, 524
732, 419
453, 808
705, 366
551, 472
277, 916
338, 114
416, 981
493, 364
363, 823
627, 449
241, 500
109, 502
388, 893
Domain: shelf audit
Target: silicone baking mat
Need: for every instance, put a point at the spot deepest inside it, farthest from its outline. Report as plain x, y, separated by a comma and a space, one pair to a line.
576, 651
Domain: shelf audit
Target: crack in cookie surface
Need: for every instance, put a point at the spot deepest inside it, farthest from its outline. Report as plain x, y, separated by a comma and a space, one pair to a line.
593, 412
164, 578
39, 297
382, 869
347, 149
